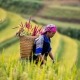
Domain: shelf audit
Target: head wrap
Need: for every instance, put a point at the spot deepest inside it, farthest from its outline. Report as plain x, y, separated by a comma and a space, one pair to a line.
50, 28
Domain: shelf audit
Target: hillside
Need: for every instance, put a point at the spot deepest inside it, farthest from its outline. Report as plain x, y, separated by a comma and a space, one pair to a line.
58, 40
66, 17
65, 49
66, 14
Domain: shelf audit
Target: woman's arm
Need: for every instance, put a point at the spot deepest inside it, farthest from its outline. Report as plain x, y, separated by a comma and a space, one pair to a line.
51, 56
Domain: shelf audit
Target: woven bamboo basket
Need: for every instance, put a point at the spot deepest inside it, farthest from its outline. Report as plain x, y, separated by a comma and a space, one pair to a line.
26, 46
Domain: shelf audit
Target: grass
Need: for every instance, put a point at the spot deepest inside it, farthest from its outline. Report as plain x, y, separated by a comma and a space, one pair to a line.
76, 8
3, 19
4, 24
14, 21
60, 50
37, 1
61, 12
7, 43
12, 50
55, 41
28, 6
3, 15
58, 23
56, 44
78, 56
7, 33
70, 52
12, 68
66, 48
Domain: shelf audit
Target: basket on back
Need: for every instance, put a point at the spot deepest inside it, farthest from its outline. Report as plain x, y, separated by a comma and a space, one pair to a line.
26, 46
26, 40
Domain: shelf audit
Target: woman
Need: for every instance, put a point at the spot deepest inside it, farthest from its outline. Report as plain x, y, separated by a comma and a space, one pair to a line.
42, 47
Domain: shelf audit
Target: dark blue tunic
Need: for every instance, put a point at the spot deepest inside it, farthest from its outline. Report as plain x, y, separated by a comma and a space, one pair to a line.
41, 45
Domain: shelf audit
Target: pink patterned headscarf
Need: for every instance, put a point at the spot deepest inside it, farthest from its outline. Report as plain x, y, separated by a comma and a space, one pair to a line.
50, 27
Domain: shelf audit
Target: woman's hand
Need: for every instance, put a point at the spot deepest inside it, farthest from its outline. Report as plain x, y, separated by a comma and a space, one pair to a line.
51, 56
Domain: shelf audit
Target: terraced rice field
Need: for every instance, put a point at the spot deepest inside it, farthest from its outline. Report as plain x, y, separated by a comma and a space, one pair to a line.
57, 23
60, 11
3, 15
66, 53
